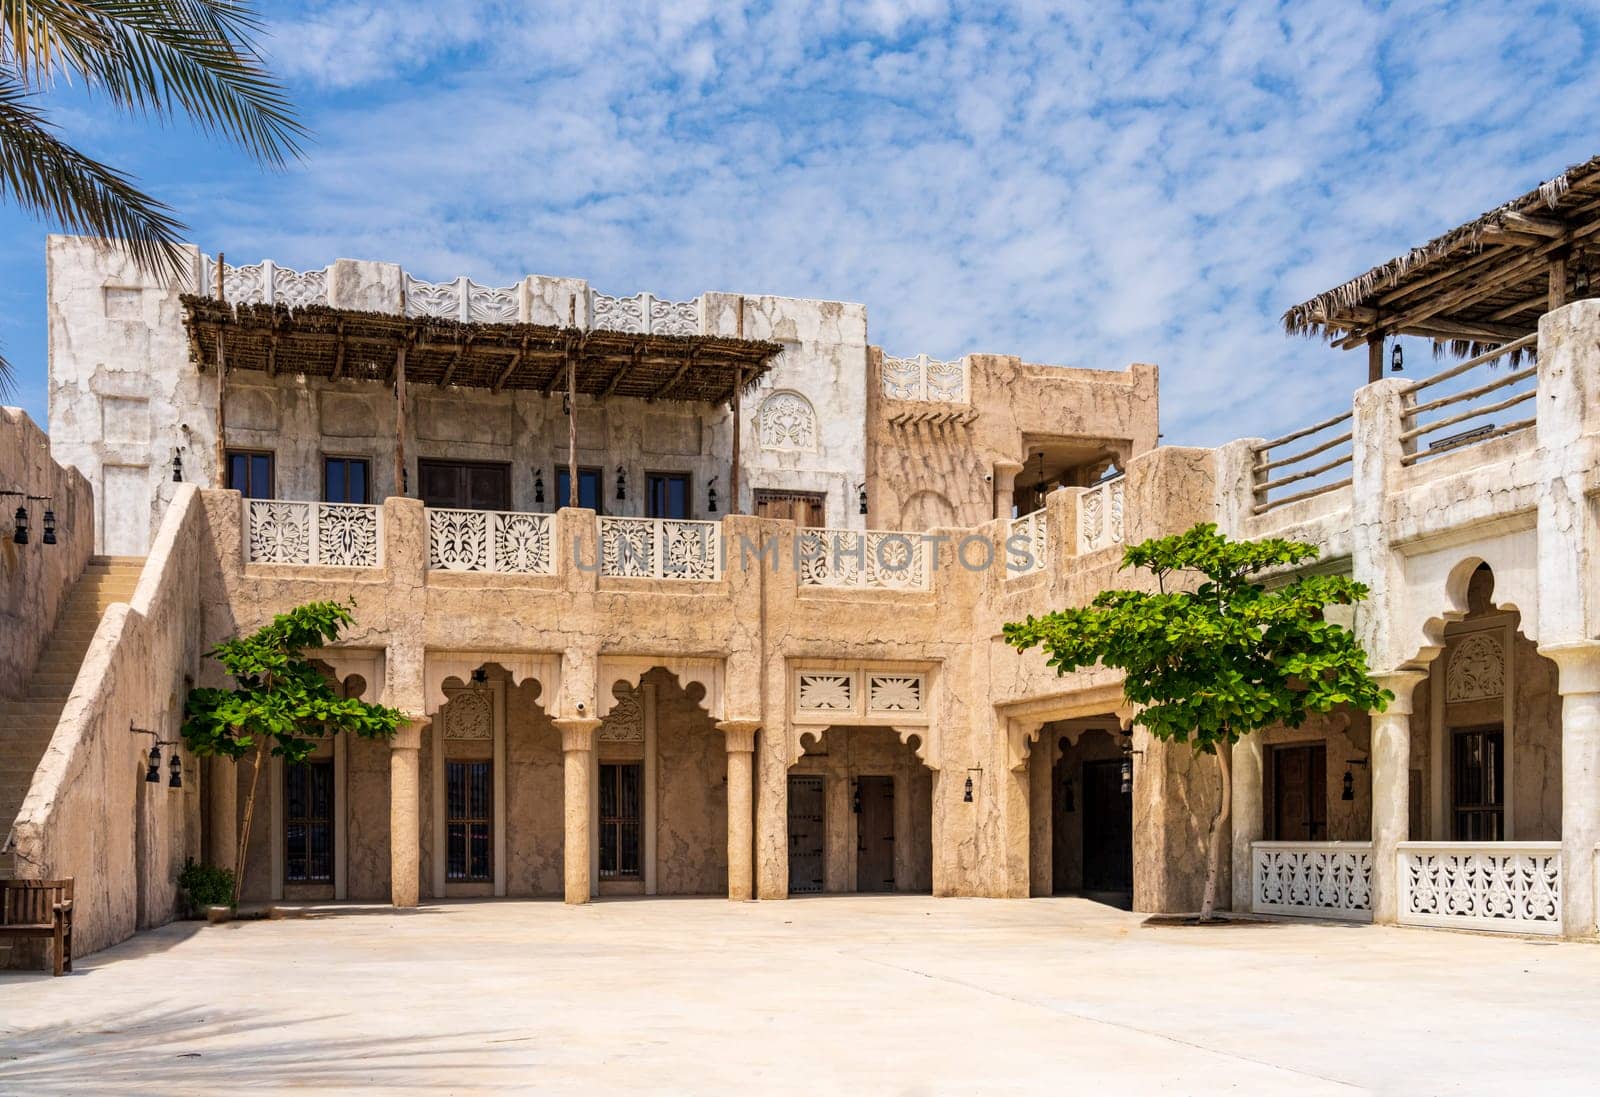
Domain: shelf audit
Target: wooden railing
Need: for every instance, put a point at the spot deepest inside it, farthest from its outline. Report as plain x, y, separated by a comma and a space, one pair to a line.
1271, 470
1469, 410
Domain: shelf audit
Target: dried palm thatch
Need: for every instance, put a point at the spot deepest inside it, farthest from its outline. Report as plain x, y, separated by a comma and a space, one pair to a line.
1478, 286
347, 344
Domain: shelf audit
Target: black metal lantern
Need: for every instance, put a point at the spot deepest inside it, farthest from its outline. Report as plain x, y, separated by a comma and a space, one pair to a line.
622, 484
1580, 282
153, 773
1349, 792
19, 536
49, 537
1127, 774
176, 768
538, 486
861, 498
1397, 358
711, 496
177, 467
966, 795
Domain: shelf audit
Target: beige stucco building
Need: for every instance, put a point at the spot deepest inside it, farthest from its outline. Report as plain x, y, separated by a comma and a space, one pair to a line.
764, 658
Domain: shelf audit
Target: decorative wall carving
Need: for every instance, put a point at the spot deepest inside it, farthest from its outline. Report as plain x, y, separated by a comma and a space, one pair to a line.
469, 714
826, 692
1034, 532
924, 378
660, 548
625, 722
644, 314
1477, 669
786, 420
486, 540
894, 692
874, 559
862, 692
324, 534
1100, 523
265, 283
464, 300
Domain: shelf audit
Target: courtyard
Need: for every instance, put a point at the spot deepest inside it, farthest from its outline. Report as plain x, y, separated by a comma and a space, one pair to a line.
861, 994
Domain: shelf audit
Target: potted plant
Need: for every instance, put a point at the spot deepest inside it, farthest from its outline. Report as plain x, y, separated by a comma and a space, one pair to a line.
208, 891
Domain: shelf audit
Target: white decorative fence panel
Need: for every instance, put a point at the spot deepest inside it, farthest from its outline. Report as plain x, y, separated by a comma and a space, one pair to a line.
645, 314
1505, 887
264, 283
1031, 533
865, 559
464, 300
924, 378
314, 534
1100, 515
1312, 879
508, 542
660, 548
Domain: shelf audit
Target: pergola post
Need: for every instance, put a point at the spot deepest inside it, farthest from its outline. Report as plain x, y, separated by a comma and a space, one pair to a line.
400, 484
738, 386
573, 495
222, 373
1375, 357
1558, 282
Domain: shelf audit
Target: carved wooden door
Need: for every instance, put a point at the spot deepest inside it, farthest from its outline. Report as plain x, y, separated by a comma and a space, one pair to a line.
875, 834
1300, 793
807, 831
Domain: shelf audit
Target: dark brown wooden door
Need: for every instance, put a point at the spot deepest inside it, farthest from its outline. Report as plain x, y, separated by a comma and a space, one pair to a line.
806, 833
1299, 793
1477, 773
465, 485
804, 509
1107, 828
875, 834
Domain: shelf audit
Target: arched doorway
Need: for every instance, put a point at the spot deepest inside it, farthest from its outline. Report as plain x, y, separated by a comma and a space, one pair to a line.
1091, 814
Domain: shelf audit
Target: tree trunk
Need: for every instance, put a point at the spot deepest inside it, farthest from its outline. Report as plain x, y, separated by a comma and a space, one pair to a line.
244, 828
1208, 904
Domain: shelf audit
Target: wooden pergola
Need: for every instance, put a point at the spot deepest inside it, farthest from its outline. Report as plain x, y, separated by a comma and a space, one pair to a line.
1477, 287
401, 351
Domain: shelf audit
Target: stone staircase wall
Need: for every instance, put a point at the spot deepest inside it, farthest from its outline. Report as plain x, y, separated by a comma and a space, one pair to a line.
89, 813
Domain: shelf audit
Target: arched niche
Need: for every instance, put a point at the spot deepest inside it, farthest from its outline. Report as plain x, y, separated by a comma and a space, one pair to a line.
443, 666
1434, 589
345, 664
916, 738
707, 673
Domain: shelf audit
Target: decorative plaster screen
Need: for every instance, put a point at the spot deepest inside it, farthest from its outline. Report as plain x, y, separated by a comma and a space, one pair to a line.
787, 421
826, 692
469, 715
625, 722
870, 695
894, 692
1477, 669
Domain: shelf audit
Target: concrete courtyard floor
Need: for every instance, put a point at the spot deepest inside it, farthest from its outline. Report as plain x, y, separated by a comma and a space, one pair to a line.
847, 994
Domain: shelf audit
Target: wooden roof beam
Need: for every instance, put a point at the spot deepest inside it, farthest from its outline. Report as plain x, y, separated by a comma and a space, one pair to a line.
338, 355
455, 363
511, 368
622, 371
677, 375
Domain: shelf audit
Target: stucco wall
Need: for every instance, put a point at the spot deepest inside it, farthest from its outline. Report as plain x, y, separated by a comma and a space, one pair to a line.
35, 578
692, 795
89, 813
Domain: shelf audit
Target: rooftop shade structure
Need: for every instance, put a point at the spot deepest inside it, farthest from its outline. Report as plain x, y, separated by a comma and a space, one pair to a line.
1478, 286
331, 343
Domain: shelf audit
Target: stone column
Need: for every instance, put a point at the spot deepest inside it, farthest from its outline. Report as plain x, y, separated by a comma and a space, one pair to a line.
1041, 815
1249, 818
405, 833
1391, 792
1579, 663
741, 743
1005, 481
577, 752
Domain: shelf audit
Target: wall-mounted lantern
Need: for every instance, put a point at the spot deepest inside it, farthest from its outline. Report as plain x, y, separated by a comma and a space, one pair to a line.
861, 498
538, 486
1397, 358
176, 767
966, 790
1348, 791
49, 537
711, 495
22, 530
152, 773
177, 465
622, 484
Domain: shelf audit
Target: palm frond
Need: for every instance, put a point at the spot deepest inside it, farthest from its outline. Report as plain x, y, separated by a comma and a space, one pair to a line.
46, 176
162, 58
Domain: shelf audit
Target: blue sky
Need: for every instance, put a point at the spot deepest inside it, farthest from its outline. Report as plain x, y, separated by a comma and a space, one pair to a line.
1079, 183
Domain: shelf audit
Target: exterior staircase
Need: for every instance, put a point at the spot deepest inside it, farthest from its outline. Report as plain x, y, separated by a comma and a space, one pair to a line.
26, 725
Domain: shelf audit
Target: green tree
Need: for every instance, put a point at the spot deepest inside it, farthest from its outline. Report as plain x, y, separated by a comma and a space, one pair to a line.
147, 58
1211, 664
280, 702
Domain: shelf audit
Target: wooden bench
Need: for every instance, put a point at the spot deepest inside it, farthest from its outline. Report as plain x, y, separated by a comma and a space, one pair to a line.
39, 909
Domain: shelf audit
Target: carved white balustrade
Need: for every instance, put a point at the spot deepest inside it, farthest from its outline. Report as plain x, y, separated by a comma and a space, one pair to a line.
464, 300
264, 283
1504, 887
1030, 533
924, 378
1312, 879
660, 548
281, 531
508, 542
644, 314
1100, 515
865, 559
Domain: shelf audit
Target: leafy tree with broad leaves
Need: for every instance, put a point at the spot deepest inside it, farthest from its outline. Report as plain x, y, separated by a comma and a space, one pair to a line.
280, 704
1208, 665
148, 58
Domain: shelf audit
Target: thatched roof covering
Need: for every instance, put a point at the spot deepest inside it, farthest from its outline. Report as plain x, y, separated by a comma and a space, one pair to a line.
318, 341
1477, 286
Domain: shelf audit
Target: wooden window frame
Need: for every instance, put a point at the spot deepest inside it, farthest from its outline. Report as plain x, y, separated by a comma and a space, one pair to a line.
272, 471
348, 459
583, 470
306, 821
467, 876
652, 476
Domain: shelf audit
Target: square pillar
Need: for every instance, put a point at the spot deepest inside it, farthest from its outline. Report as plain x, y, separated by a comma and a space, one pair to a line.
1579, 664
741, 743
577, 756
1391, 792
405, 835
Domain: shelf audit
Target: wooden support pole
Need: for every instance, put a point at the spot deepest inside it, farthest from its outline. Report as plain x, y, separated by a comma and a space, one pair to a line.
738, 385
1374, 357
1558, 282
222, 375
573, 495
400, 483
